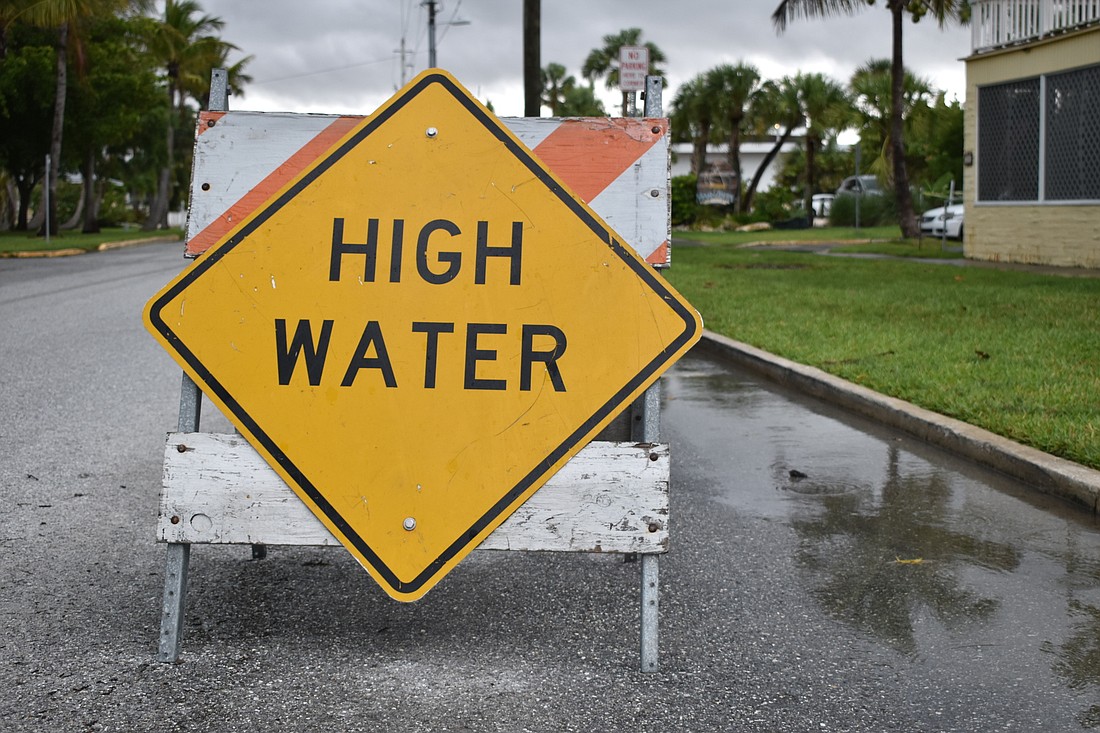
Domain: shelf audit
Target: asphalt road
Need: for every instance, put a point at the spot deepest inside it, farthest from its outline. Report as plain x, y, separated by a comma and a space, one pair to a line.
890, 588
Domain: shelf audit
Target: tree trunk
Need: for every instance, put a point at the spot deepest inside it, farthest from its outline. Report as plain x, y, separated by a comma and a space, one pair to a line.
158, 211
734, 157
58, 126
72, 222
699, 151
746, 205
11, 204
906, 216
808, 196
26, 189
36, 220
91, 196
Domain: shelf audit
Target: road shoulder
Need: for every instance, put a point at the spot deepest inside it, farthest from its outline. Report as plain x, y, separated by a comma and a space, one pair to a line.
1042, 471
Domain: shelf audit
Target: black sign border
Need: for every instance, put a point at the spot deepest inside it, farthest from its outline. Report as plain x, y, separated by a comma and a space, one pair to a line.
611, 407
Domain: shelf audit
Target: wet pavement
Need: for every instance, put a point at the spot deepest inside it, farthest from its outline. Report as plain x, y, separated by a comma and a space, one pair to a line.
885, 586
956, 573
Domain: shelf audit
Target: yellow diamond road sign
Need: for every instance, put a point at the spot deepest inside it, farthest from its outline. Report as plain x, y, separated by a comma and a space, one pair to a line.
420, 329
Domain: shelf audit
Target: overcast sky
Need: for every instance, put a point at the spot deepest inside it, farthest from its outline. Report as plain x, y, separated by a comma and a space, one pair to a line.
340, 56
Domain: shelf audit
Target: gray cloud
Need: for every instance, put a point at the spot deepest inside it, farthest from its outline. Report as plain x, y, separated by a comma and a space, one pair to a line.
340, 55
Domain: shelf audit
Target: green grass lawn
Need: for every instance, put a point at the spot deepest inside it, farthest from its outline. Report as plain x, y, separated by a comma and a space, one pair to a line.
885, 240
11, 242
1013, 352
812, 234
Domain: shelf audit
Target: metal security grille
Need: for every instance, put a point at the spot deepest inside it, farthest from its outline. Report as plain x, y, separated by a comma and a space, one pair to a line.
1072, 164
1008, 141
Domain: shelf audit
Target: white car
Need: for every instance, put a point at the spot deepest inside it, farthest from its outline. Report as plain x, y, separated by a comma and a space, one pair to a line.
934, 222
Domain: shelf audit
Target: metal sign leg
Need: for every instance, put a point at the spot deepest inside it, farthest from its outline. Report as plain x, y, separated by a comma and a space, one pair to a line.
175, 599
646, 427
650, 613
179, 554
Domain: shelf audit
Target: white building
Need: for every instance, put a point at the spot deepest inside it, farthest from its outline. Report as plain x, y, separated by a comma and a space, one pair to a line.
752, 156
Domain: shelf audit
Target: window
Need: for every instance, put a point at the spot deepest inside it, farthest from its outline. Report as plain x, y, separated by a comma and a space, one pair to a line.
1073, 135
1008, 141
1039, 138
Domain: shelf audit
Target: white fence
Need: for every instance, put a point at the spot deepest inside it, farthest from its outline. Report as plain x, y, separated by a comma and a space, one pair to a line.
1002, 22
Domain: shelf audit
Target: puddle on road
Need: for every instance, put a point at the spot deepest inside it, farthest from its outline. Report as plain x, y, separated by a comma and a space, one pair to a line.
900, 540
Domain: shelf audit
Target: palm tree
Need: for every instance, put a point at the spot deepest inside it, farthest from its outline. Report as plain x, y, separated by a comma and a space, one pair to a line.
943, 11
566, 98
693, 109
825, 109
870, 86
604, 61
775, 111
556, 82
187, 45
734, 88
66, 16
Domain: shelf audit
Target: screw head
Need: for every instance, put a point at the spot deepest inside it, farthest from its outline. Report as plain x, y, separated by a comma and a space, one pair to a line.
431, 132
409, 524
654, 193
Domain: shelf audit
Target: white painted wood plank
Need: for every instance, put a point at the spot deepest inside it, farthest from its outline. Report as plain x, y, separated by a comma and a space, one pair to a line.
242, 148
612, 497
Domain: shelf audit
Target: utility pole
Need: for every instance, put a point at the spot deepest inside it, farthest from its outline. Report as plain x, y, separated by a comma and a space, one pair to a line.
404, 66
532, 62
431, 32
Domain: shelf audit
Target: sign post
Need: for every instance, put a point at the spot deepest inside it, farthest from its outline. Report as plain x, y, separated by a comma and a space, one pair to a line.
633, 68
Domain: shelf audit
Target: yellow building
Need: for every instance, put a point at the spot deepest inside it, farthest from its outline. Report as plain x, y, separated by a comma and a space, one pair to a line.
1032, 151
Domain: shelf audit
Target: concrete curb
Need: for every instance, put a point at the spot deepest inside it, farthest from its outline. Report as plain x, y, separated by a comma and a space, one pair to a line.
1044, 472
102, 247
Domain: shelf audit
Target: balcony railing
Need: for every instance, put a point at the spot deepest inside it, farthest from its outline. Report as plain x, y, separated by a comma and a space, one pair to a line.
996, 23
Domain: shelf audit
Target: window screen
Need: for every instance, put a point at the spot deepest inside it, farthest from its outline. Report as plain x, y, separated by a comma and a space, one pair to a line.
1073, 135
1008, 141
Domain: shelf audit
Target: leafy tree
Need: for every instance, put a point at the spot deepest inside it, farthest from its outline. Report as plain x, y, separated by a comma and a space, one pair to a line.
187, 45
555, 81
565, 98
941, 130
943, 11
871, 89
692, 115
27, 83
603, 61
734, 89
775, 111
581, 101
108, 104
826, 109
68, 17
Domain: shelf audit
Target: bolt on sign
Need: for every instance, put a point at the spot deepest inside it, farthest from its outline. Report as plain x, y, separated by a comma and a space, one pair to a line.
419, 329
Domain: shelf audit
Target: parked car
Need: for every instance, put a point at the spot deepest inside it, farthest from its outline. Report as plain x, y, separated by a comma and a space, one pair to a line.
822, 204
935, 222
859, 186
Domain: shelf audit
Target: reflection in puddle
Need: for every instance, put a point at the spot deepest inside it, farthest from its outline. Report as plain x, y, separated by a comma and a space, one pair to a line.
914, 548
880, 558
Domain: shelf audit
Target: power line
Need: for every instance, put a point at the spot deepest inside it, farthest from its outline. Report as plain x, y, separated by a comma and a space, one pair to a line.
322, 71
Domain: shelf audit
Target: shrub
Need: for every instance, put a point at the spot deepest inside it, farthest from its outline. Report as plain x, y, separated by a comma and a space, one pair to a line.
873, 210
685, 208
778, 203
